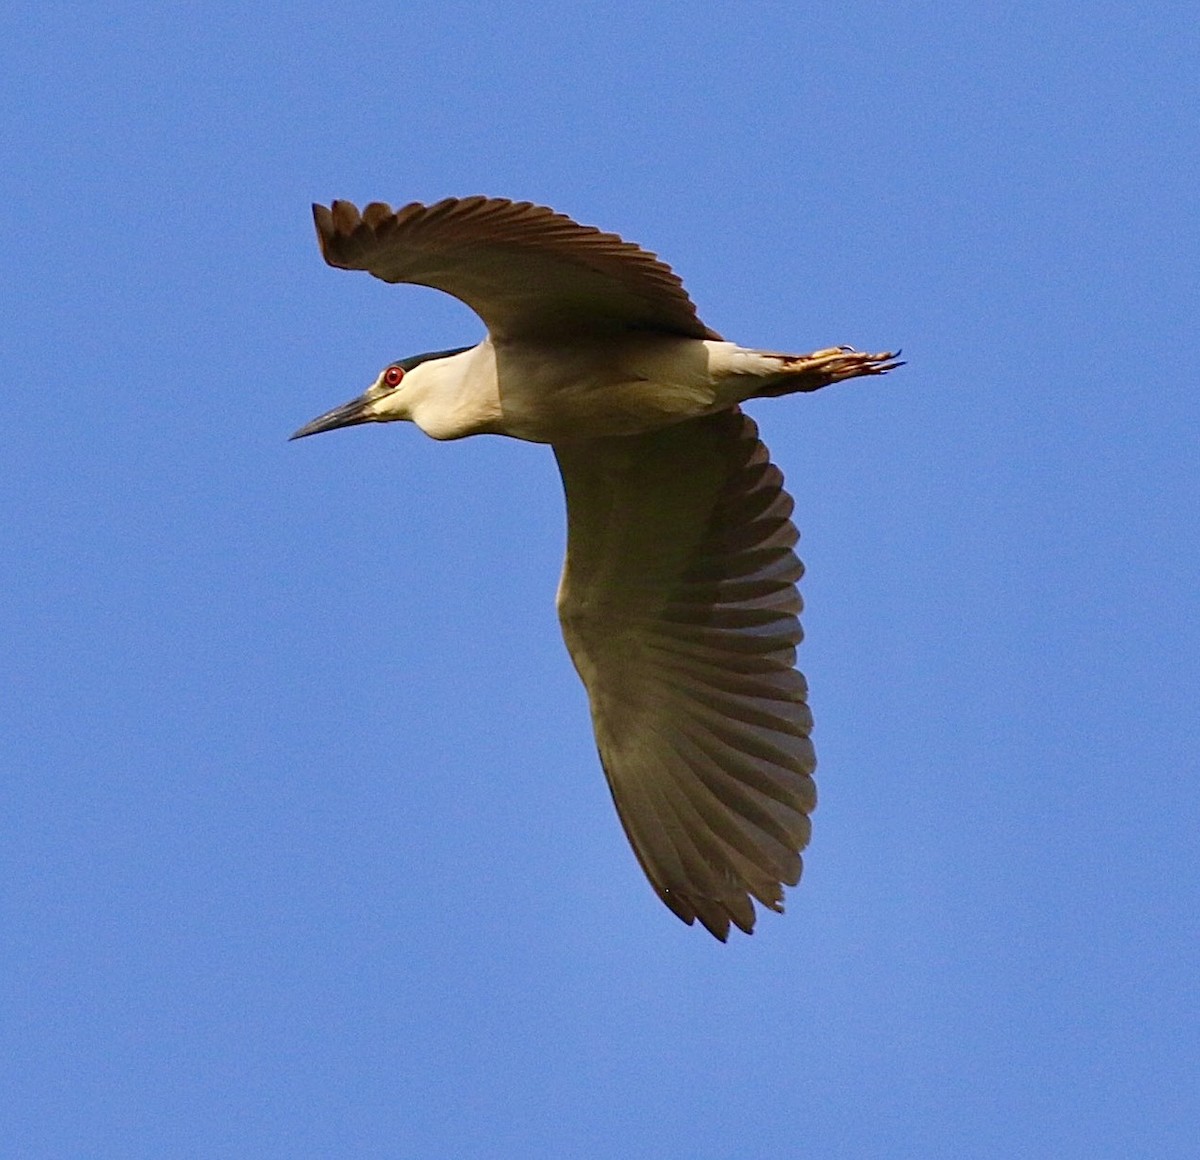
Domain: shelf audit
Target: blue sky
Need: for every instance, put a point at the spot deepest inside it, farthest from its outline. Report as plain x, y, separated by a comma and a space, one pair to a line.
306, 850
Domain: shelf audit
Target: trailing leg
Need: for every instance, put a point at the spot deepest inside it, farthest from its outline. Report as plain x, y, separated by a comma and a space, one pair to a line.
786, 374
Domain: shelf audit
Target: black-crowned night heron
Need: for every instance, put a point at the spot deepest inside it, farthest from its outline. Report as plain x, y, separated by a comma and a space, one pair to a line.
678, 598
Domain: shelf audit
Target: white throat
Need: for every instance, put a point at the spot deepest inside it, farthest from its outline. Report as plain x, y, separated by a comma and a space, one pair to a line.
449, 398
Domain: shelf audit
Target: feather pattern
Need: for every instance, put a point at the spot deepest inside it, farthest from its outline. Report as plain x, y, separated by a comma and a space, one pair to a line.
526, 270
679, 607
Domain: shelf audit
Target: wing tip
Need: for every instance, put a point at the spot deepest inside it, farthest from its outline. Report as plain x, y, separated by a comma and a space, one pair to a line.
342, 228
323, 221
334, 222
719, 916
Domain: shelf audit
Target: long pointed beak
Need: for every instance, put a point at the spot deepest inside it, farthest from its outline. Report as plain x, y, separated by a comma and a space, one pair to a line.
347, 415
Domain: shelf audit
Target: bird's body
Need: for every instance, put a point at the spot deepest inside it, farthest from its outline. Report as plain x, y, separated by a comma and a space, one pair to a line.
544, 392
678, 600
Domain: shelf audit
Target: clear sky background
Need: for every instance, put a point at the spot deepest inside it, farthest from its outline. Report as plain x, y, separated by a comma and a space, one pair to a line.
305, 848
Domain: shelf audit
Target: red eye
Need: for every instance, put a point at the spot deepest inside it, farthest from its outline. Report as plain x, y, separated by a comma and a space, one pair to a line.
393, 375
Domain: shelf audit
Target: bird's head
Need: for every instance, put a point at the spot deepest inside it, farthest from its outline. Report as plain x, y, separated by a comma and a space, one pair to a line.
389, 397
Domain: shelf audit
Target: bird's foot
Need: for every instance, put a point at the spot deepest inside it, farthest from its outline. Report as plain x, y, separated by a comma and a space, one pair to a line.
811, 372
844, 362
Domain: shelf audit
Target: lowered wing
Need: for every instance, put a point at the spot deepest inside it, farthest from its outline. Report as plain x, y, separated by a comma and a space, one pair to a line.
678, 604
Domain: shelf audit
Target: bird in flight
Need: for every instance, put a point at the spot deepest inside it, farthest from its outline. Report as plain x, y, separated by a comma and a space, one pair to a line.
678, 598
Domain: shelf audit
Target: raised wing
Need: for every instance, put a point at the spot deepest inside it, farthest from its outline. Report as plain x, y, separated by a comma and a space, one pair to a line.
524, 269
678, 604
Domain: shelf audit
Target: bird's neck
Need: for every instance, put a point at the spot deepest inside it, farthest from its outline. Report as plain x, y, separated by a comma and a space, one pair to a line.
456, 396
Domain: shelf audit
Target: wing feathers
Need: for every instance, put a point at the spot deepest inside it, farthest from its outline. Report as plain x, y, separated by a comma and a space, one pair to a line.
679, 607
524, 269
